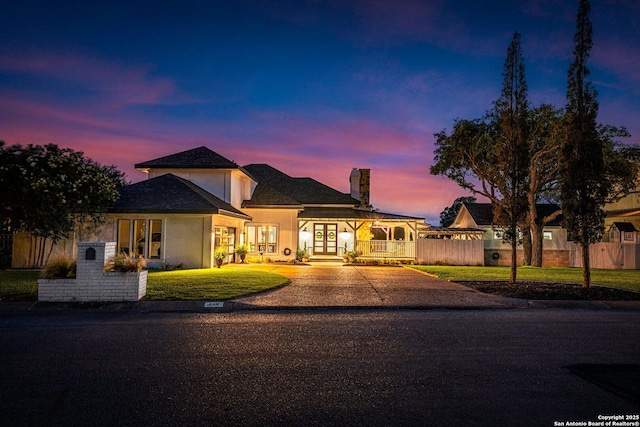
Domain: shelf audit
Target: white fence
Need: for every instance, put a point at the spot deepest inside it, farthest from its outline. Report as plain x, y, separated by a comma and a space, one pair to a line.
612, 256
393, 249
450, 252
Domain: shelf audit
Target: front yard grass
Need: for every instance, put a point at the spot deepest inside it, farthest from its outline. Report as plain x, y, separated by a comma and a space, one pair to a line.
622, 279
188, 285
19, 285
210, 283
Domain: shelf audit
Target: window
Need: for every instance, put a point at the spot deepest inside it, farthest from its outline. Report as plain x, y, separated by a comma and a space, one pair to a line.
547, 235
262, 238
628, 236
225, 237
140, 237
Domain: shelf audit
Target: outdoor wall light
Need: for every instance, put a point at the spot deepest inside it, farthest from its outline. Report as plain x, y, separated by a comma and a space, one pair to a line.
344, 234
304, 234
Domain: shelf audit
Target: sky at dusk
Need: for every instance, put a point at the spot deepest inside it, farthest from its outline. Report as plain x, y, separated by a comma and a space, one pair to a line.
313, 88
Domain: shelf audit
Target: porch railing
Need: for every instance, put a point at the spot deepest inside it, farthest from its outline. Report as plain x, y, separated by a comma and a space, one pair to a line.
386, 249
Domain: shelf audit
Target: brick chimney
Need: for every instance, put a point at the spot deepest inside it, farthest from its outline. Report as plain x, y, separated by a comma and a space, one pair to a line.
360, 181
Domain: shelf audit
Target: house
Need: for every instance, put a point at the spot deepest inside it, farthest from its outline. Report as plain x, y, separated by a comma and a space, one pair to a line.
479, 217
625, 210
197, 200
622, 232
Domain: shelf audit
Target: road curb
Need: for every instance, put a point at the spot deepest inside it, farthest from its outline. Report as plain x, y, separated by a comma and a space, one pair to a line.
236, 306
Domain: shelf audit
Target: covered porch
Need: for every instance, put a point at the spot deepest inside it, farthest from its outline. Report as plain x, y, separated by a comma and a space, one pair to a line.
330, 234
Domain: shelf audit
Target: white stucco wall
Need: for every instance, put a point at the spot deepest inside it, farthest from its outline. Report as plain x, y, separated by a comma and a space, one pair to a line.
230, 185
287, 222
188, 241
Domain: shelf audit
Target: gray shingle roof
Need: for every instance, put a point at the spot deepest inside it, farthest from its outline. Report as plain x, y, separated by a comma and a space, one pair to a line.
305, 191
625, 227
196, 158
171, 194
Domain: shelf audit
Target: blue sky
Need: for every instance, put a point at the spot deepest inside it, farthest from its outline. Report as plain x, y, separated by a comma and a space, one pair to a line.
313, 88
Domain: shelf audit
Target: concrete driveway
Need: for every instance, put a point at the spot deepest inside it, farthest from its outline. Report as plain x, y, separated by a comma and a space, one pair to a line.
336, 285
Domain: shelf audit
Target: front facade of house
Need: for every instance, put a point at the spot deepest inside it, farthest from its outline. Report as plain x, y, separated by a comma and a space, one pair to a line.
623, 219
196, 201
479, 217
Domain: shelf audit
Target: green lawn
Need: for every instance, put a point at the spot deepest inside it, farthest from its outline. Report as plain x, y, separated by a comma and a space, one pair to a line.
210, 283
204, 284
19, 285
624, 279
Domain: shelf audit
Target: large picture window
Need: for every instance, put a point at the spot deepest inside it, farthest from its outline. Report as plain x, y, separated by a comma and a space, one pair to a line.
140, 237
262, 238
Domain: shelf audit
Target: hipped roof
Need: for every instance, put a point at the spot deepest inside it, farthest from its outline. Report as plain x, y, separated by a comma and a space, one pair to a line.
196, 158
171, 194
277, 188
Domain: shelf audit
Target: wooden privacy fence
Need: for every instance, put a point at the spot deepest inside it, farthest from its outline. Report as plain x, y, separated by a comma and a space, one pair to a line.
612, 256
450, 252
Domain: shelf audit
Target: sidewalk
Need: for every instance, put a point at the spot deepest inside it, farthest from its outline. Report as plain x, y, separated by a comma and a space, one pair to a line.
334, 286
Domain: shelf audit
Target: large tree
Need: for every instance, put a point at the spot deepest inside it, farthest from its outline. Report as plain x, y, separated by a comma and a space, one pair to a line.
489, 156
51, 190
584, 187
545, 136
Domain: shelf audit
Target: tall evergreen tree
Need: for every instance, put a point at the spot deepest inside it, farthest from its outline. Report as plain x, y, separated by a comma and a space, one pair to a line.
584, 187
512, 151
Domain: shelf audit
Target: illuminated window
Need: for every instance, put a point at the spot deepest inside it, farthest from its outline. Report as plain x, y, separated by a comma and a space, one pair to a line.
140, 237
124, 236
547, 235
262, 238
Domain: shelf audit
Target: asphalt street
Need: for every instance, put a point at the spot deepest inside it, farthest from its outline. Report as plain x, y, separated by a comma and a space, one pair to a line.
318, 367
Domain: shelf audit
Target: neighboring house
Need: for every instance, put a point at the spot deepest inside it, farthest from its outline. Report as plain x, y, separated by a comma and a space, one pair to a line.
479, 217
626, 210
622, 232
196, 201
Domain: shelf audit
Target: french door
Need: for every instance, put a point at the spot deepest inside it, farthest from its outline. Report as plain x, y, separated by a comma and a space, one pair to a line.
325, 239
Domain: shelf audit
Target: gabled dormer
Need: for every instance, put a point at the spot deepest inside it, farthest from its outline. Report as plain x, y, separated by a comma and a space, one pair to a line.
214, 173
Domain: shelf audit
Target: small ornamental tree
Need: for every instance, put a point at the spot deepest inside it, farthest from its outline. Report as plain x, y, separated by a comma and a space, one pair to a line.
51, 190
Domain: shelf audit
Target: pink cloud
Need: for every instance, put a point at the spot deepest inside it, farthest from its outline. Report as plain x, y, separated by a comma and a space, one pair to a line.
120, 84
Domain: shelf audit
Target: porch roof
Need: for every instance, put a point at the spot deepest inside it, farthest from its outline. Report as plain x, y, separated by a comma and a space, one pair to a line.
450, 231
171, 194
352, 213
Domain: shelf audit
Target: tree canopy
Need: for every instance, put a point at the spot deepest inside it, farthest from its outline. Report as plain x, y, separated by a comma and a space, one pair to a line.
49, 190
519, 157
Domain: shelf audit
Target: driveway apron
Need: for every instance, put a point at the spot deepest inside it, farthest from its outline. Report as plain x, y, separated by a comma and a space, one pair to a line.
330, 286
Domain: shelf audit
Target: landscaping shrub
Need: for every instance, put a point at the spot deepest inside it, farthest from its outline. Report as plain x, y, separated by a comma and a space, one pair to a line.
59, 266
124, 263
